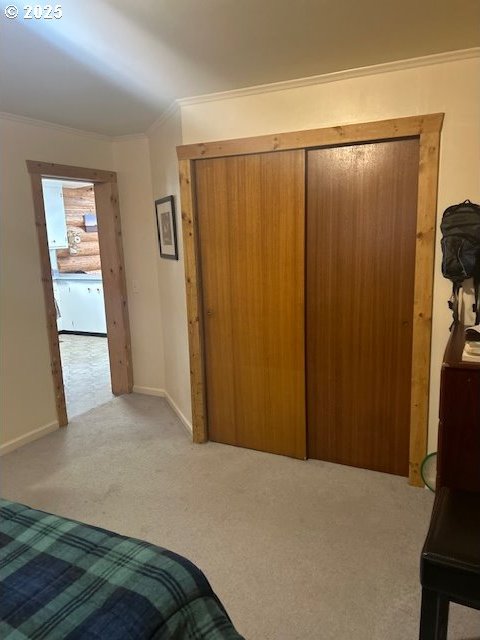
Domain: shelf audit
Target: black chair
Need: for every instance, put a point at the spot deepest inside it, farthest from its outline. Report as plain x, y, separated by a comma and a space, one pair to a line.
450, 560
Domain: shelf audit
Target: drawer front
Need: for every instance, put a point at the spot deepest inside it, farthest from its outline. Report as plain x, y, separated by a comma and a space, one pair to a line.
459, 430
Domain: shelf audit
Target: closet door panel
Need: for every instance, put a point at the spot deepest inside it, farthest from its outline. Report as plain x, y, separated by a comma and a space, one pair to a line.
360, 257
251, 233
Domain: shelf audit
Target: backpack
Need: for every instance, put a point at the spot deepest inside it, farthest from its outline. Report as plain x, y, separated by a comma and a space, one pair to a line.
461, 250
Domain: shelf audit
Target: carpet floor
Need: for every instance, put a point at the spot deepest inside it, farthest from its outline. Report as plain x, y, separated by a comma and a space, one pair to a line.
294, 549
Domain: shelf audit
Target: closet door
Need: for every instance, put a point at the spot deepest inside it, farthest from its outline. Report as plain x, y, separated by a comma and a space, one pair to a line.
360, 257
251, 212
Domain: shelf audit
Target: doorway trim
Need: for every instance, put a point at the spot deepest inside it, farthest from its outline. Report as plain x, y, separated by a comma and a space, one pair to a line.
427, 129
113, 274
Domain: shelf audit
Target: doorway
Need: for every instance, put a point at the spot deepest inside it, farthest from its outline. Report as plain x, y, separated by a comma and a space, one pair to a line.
80, 243
74, 250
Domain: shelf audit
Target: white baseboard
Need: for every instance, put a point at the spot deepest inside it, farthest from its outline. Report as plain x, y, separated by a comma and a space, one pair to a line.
183, 419
16, 443
150, 391
162, 393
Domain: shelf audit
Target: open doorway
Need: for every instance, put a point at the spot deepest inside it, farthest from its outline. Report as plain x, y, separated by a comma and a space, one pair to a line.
74, 250
81, 255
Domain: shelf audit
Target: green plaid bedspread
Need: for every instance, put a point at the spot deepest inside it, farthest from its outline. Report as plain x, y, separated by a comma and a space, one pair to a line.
63, 579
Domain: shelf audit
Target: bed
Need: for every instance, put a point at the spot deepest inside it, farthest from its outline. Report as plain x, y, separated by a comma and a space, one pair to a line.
63, 579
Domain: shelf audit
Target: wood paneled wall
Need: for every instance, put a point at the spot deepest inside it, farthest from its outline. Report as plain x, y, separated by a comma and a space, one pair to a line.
84, 251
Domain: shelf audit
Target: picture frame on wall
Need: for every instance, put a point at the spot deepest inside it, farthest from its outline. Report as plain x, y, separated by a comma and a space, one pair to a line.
166, 227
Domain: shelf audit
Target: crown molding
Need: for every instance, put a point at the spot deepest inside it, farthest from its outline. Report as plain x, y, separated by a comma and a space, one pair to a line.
13, 117
386, 67
52, 125
79, 132
164, 116
129, 137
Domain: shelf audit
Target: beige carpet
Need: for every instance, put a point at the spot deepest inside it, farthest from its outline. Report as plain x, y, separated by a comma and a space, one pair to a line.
295, 550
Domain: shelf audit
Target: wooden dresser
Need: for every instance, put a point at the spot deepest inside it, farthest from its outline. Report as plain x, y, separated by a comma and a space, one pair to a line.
458, 462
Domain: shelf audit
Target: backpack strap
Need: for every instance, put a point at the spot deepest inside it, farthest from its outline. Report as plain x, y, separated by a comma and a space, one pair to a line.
453, 303
476, 303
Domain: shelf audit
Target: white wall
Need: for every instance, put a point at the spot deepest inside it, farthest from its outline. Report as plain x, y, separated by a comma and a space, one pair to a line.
450, 87
131, 161
28, 400
28, 405
164, 138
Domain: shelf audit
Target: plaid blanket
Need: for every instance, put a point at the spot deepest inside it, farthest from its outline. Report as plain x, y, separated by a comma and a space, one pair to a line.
63, 579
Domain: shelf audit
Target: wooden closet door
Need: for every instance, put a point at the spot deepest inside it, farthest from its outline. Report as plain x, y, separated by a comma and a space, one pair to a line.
360, 256
251, 216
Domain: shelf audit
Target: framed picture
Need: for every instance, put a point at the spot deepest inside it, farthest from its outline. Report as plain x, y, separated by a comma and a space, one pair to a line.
166, 228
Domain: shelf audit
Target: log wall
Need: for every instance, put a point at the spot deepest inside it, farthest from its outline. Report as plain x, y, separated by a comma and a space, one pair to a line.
83, 253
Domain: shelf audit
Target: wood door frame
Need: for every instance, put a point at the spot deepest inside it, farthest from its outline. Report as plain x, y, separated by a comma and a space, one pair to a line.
113, 274
427, 129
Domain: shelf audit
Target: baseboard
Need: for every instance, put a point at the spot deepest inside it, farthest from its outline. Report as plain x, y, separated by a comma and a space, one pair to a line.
16, 443
162, 393
64, 332
186, 423
149, 391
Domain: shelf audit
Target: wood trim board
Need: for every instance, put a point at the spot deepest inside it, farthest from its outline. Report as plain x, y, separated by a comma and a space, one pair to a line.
427, 128
64, 171
344, 134
113, 274
423, 300
194, 302
114, 286
50, 310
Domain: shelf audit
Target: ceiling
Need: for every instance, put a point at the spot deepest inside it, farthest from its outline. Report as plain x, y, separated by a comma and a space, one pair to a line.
113, 66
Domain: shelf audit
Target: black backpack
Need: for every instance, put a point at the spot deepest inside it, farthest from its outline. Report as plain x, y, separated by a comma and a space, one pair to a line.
461, 250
